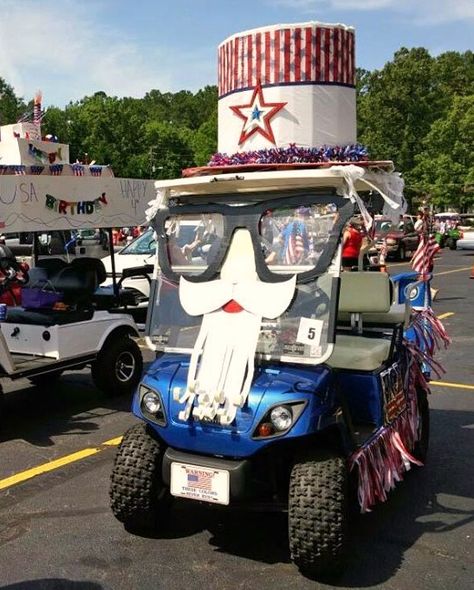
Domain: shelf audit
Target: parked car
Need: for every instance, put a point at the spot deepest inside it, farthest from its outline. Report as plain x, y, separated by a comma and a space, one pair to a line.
141, 252
467, 227
466, 242
400, 238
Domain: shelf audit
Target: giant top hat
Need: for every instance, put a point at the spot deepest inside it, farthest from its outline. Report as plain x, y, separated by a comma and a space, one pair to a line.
287, 90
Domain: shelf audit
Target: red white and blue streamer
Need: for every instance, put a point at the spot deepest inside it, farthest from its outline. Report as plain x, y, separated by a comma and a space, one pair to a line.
293, 155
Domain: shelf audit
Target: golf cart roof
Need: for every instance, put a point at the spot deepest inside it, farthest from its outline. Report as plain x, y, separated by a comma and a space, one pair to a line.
257, 178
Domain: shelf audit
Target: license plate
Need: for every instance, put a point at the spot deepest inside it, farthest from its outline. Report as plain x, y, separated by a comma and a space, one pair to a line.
200, 483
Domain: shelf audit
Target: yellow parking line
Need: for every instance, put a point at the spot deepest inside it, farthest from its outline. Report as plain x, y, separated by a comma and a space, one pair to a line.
443, 316
455, 385
113, 441
447, 272
56, 464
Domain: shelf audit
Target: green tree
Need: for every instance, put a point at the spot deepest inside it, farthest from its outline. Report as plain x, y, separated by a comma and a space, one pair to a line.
169, 150
445, 166
204, 141
11, 107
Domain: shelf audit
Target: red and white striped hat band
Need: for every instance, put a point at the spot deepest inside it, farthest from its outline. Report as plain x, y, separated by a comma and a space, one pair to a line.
307, 53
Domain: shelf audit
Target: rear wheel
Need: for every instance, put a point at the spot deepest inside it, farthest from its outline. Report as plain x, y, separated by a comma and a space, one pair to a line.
420, 449
317, 512
118, 367
138, 497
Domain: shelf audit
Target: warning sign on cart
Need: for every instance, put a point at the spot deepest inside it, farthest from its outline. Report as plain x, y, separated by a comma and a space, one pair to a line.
200, 483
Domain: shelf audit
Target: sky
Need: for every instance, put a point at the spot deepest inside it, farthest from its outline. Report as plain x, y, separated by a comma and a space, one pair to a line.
70, 49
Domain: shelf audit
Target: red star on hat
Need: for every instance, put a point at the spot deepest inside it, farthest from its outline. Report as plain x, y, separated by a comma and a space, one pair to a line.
257, 116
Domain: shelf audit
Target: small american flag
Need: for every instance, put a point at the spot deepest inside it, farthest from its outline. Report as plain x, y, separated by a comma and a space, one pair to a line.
36, 169
96, 170
56, 169
423, 257
296, 242
78, 169
201, 480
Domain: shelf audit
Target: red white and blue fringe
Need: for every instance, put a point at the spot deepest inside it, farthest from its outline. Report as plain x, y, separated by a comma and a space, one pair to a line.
383, 460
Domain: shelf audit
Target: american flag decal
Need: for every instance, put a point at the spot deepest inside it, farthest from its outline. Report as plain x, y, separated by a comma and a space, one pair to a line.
296, 244
308, 54
199, 479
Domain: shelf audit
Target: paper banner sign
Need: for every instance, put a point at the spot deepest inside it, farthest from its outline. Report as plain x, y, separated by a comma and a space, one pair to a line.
75, 207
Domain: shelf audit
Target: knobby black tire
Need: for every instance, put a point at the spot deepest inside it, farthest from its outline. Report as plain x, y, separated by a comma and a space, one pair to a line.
317, 513
104, 371
137, 494
420, 449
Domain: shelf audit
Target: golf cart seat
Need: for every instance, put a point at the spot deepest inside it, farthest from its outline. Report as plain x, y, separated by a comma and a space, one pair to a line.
106, 297
366, 294
91, 266
51, 265
77, 288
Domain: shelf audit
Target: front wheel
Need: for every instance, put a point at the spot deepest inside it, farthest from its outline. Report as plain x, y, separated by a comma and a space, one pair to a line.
118, 367
138, 497
317, 512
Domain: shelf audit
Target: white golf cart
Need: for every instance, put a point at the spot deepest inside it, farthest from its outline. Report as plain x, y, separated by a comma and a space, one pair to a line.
90, 325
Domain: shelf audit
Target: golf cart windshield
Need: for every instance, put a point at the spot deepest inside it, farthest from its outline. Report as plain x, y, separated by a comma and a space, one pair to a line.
294, 235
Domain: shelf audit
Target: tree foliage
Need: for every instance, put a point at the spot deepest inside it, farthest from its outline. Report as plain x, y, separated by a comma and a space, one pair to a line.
418, 110
403, 108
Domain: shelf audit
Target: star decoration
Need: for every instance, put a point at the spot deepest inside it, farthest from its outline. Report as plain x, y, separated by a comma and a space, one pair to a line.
257, 116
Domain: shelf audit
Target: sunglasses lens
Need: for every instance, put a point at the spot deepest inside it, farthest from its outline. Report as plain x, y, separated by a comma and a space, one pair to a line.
192, 241
293, 238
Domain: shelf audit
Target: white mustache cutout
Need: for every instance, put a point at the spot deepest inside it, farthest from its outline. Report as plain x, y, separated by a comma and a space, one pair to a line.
222, 362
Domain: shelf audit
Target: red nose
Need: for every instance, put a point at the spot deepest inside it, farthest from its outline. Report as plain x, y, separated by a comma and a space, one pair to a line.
232, 307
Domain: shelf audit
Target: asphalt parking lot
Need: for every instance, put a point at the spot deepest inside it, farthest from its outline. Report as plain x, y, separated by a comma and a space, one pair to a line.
57, 531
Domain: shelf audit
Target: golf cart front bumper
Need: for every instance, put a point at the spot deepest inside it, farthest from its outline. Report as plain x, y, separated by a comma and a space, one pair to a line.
240, 471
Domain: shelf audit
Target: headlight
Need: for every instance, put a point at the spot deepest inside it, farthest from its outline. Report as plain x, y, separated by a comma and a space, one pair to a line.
281, 417
151, 405
151, 402
278, 420
391, 241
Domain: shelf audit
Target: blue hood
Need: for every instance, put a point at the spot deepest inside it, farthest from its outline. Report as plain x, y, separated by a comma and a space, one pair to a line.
272, 385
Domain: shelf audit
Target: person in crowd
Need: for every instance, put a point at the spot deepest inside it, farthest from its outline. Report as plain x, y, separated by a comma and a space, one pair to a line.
205, 235
13, 275
351, 244
420, 222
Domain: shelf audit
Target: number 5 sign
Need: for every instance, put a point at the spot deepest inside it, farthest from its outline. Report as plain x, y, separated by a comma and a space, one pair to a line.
309, 331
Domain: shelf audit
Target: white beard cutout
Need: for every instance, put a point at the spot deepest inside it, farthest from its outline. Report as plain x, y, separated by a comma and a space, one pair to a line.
222, 362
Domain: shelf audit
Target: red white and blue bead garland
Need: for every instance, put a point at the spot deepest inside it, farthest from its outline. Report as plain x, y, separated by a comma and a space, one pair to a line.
292, 155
